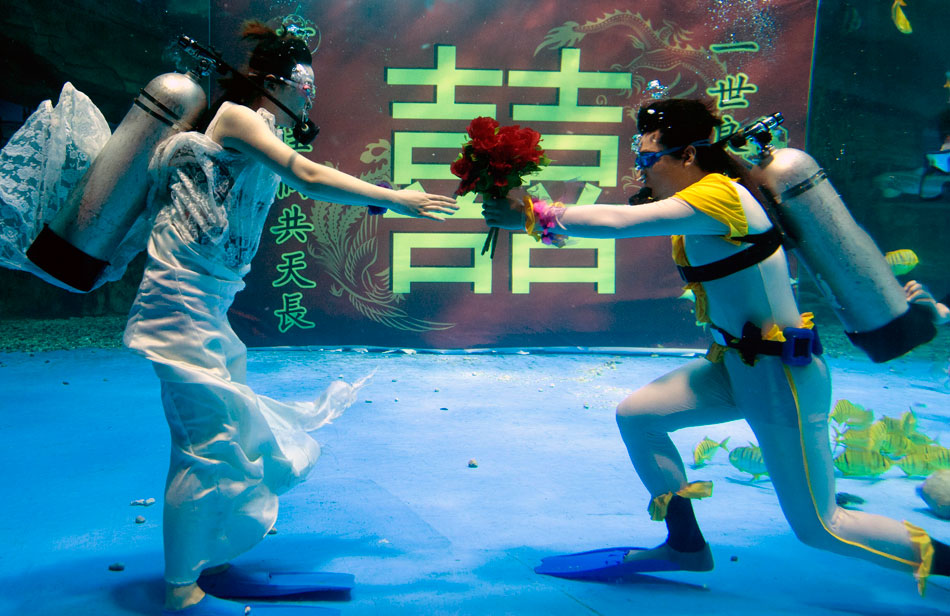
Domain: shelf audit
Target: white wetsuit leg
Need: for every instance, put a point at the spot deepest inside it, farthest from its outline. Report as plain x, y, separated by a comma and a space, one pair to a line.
787, 409
695, 394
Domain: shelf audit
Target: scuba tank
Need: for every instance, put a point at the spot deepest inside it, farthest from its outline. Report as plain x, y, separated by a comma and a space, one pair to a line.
844, 261
77, 244
75, 247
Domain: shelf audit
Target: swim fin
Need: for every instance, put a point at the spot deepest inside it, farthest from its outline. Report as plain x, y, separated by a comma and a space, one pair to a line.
238, 581
614, 563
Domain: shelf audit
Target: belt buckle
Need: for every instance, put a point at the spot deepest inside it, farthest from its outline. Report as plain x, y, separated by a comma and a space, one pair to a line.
799, 346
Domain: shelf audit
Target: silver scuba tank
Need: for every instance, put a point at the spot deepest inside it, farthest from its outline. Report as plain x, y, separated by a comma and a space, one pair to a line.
77, 244
846, 264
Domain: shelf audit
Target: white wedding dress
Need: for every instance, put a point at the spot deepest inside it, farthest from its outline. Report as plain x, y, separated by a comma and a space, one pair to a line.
233, 451
40, 163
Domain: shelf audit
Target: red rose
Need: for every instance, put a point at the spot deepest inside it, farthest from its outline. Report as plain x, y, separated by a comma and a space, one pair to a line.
495, 160
518, 144
525, 143
482, 131
500, 167
528, 141
462, 167
496, 157
508, 135
467, 185
505, 149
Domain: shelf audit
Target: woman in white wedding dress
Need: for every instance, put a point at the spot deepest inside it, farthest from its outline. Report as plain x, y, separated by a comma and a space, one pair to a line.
233, 451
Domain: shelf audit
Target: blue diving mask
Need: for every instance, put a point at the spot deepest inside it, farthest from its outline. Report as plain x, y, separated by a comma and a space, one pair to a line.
645, 160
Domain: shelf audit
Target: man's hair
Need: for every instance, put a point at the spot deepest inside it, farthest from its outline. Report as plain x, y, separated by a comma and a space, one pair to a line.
683, 121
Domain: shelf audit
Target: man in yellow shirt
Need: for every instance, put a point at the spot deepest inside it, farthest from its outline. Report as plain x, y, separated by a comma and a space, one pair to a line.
765, 363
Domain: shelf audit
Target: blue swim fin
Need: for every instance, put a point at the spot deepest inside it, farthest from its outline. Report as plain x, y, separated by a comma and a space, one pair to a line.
236, 581
602, 565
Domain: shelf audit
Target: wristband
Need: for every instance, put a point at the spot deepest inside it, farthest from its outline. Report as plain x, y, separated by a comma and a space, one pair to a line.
539, 220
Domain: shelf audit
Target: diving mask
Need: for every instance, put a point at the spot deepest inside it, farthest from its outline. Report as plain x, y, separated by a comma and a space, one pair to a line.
645, 160
302, 80
304, 129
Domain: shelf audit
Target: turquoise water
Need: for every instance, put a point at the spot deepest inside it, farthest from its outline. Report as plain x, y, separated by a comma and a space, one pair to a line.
394, 499
874, 98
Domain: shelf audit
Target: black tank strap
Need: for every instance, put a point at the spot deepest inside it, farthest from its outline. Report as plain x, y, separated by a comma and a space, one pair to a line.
763, 246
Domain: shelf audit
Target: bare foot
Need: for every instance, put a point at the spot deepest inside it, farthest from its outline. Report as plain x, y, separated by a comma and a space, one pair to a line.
180, 597
687, 561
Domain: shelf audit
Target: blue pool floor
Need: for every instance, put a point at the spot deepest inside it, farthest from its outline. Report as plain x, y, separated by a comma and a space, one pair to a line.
394, 501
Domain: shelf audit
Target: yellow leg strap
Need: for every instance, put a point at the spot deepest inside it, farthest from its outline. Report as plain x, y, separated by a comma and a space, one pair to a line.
716, 352
697, 489
925, 552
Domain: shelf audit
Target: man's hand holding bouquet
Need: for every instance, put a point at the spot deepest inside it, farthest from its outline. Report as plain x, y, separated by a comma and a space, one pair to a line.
494, 161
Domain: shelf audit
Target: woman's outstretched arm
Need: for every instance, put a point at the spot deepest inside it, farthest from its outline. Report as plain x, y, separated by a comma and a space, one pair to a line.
239, 128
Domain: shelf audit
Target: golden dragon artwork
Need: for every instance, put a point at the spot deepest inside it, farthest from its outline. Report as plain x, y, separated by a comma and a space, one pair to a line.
344, 244
663, 50
658, 54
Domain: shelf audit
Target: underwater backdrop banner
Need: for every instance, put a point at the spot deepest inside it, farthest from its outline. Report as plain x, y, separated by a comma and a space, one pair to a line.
397, 85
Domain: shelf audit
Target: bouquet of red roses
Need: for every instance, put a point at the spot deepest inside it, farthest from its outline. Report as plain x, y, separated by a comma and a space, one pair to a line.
495, 160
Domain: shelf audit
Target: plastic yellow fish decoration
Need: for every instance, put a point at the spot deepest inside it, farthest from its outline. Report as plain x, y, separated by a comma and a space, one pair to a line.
705, 450
891, 424
879, 429
901, 261
895, 444
925, 459
862, 462
920, 439
917, 465
748, 460
898, 17
846, 412
909, 420
939, 457
863, 438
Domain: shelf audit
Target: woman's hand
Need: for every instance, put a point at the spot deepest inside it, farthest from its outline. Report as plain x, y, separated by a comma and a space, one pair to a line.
504, 213
422, 205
